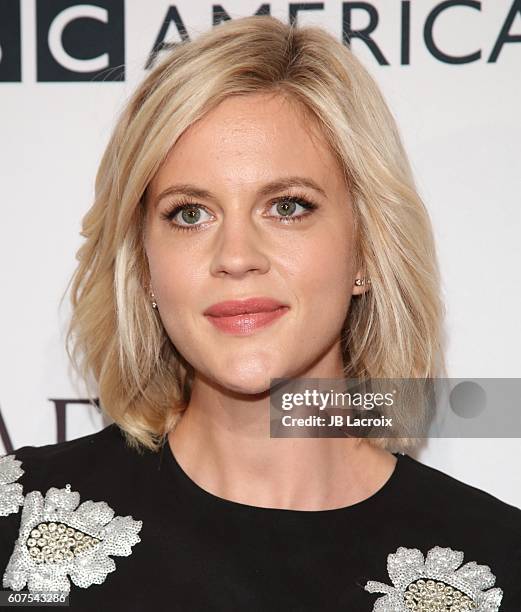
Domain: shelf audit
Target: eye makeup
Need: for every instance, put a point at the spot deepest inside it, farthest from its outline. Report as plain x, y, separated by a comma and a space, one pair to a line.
174, 209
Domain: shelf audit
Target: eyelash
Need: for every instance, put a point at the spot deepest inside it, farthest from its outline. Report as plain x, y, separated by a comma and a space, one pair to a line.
305, 202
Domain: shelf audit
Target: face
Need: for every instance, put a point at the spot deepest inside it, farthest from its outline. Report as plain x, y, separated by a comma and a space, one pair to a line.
269, 215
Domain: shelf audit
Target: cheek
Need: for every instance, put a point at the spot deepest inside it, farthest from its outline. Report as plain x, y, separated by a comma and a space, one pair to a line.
321, 271
176, 280
173, 272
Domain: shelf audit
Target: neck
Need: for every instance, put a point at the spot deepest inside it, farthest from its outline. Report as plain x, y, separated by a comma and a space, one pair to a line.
223, 444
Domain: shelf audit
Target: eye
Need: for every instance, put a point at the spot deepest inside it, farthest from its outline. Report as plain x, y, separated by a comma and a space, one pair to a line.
286, 206
186, 216
189, 217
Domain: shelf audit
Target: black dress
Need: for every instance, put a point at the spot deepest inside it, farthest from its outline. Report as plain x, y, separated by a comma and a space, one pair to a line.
122, 531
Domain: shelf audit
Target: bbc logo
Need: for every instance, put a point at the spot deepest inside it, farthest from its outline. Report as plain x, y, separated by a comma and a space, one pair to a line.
75, 41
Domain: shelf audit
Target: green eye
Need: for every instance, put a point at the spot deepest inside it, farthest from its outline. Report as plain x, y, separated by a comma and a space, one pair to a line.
190, 215
286, 206
191, 212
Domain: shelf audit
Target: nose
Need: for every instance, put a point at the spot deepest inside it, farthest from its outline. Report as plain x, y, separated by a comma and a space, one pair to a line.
240, 248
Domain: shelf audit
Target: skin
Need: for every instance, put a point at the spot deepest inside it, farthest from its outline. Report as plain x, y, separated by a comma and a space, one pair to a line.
223, 441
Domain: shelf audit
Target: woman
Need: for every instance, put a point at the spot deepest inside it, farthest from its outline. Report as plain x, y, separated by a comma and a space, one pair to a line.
255, 218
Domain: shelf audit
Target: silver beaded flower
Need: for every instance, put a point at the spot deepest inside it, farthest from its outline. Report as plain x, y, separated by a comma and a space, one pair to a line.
11, 497
435, 584
57, 539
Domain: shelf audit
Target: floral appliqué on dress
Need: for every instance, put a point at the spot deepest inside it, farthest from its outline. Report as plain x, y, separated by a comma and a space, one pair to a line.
57, 538
11, 497
436, 583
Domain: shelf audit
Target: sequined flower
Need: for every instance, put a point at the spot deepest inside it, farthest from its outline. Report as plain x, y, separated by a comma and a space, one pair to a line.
436, 583
11, 497
57, 538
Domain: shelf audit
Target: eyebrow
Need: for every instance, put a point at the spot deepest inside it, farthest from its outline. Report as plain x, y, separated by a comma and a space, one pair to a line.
266, 190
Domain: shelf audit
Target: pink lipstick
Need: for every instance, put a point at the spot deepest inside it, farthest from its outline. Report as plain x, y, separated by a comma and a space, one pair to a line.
245, 316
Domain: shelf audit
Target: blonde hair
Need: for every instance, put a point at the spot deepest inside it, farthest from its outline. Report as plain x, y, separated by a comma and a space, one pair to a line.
391, 331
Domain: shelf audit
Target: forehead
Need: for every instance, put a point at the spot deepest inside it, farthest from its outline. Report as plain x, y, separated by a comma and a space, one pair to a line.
248, 139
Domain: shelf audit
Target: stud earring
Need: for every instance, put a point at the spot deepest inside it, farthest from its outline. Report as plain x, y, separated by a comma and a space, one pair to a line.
154, 303
359, 282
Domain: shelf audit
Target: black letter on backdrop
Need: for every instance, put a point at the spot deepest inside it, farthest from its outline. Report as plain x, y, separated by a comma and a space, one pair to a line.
295, 7
219, 14
10, 42
406, 33
429, 41
80, 41
4, 435
60, 405
504, 36
348, 33
172, 15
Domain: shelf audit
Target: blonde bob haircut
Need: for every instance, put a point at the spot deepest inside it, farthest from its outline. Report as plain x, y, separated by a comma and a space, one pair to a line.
393, 330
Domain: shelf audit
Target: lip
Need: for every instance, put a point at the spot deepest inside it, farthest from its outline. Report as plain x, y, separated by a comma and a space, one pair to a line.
245, 316
251, 305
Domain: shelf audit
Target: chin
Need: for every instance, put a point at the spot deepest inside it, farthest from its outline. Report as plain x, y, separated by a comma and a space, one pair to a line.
250, 389
245, 381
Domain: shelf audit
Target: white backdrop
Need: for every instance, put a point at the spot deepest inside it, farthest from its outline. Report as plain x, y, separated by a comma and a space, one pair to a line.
460, 123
